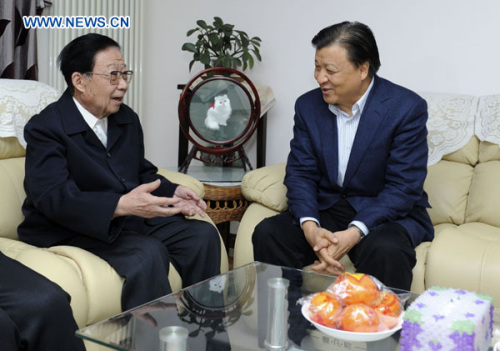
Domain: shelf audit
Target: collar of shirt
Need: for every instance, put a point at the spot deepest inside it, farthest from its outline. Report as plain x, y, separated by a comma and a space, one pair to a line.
90, 118
357, 108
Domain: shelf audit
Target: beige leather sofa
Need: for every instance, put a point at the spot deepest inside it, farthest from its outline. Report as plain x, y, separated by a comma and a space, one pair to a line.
463, 184
95, 288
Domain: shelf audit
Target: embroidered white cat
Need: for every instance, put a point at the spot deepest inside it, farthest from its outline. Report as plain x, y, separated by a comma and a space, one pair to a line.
218, 113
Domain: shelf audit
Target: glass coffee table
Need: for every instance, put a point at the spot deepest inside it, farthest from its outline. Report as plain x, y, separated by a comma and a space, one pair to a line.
231, 311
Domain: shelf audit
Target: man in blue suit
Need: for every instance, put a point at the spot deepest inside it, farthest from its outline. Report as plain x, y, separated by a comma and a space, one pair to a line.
89, 185
356, 168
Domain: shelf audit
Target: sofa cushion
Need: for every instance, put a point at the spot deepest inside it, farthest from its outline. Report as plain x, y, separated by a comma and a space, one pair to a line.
447, 185
468, 154
489, 152
484, 198
265, 186
12, 192
10, 147
466, 257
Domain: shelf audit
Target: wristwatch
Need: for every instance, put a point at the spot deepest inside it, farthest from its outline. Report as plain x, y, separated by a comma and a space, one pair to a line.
361, 233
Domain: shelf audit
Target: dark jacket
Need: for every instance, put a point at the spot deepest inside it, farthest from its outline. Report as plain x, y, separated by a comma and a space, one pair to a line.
73, 183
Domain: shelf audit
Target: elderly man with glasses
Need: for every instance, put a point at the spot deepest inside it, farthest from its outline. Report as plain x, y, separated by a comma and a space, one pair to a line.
89, 185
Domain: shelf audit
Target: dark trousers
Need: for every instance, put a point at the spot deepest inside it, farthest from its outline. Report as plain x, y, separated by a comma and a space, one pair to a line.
192, 246
35, 313
386, 253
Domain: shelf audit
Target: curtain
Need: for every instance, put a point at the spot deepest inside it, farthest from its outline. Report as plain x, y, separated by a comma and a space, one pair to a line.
17, 44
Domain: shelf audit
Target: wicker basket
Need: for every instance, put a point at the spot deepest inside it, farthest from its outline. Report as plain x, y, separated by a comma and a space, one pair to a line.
225, 203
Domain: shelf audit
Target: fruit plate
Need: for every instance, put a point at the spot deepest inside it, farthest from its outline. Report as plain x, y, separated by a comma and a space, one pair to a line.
351, 336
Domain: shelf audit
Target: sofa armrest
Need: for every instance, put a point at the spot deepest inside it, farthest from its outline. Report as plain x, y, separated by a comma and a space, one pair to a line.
57, 269
265, 186
418, 282
102, 284
183, 179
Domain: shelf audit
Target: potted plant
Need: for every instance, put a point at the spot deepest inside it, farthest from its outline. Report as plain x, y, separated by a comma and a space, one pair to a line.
220, 45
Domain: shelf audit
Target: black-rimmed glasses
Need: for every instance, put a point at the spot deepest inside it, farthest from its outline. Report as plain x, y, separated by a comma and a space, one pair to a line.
115, 76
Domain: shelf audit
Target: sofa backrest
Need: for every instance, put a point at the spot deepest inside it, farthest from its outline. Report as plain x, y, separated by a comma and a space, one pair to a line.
464, 186
484, 195
19, 101
448, 183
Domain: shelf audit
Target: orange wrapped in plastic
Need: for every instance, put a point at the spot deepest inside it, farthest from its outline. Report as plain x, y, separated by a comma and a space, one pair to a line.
355, 288
388, 304
359, 318
390, 307
325, 309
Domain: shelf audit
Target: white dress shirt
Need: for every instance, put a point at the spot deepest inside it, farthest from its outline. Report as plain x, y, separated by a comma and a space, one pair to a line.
98, 125
347, 126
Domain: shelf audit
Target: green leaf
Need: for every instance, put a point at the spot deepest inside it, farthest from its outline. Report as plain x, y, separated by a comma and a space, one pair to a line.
214, 38
256, 52
250, 61
242, 34
191, 31
227, 62
228, 28
218, 23
202, 24
244, 41
237, 62
191, 65
189, 47
255, 42
205, 58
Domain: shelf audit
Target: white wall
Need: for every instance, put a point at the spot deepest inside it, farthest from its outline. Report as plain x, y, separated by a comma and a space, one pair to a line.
426, 45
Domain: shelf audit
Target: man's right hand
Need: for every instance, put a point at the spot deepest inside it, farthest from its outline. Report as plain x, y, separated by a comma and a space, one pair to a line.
140, 202
321, 241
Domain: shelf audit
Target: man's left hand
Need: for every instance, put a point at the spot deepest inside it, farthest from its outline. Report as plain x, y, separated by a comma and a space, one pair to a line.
336, 245
190, 202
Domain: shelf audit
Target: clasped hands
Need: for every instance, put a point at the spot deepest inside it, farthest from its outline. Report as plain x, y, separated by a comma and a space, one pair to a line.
140, 202
330, 247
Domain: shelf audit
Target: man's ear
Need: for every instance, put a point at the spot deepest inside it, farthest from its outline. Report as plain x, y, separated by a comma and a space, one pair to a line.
79, 81
364, 69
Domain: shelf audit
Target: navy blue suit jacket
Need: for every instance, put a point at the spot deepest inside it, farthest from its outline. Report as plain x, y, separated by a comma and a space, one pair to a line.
73, 183
387, 165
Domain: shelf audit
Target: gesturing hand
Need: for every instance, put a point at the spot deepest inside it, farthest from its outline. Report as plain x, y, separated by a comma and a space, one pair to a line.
189, 202
140, 202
